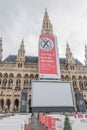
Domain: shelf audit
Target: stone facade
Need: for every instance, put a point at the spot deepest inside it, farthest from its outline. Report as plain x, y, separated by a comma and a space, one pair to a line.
17, 72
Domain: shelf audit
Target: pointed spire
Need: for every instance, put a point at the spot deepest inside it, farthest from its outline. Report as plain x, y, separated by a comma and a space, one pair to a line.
67, 44
47, 28
68, 51
1, 49
0, 40
22, 42
69, 56
85, 54
21, 52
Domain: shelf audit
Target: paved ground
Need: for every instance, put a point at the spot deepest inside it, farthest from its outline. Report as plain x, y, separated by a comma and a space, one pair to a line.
35, 125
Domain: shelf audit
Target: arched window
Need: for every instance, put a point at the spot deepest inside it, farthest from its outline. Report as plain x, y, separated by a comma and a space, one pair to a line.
19, 76
8, 103
85, 84
18, 83
5, 75
20, 65
25, 83
62, 77
80, 78
10, 83
74, 83
36, 76
81, 84
31, 76
5, 83
73, 77
26, 76
67, 77
2, 103
11, 75
16, 104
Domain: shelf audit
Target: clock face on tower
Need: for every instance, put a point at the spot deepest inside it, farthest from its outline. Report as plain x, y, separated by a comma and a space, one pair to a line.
46, 44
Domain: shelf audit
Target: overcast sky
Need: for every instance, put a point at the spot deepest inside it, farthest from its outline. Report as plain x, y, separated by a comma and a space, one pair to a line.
22, 19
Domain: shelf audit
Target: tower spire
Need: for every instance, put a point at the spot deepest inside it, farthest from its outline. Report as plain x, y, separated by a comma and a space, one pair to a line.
1, 49
69, 56
47, 28
21, 52
85, 54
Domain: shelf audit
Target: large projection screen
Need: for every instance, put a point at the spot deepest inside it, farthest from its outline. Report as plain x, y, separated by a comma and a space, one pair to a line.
50, 96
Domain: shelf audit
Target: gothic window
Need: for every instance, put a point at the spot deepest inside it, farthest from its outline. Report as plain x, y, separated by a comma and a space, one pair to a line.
74, 84
66, 77
73, 77
5, 82
85, 84
19, 65
10, 83
5, 75
31, 76
72, 67
80, 78
26, 76
19, 76
18, 83
8, 103
11, 75
25, 83
62, 77
2, 104
81, 84
30, 82
16, 104
36, 76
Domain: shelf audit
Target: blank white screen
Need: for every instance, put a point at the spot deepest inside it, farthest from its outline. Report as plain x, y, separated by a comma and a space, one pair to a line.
51, 94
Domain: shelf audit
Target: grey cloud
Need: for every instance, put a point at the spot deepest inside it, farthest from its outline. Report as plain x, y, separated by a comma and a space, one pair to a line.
23, 19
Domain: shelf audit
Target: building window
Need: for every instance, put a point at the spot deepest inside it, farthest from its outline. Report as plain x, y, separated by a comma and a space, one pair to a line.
25, 83
62, 77
36, 76
26, 76
2, 103
10, 83
18, 83
74, 84
5, 75
19, 76
67, 77
31, 76
5, 83
81, 84
11, 76
8, 103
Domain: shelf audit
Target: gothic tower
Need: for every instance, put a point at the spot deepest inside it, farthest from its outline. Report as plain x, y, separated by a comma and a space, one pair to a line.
85, 54
47, 29
21, 55
1, 49
69, 56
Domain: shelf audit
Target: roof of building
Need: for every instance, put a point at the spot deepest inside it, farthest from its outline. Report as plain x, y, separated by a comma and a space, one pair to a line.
34, 59
28, 59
